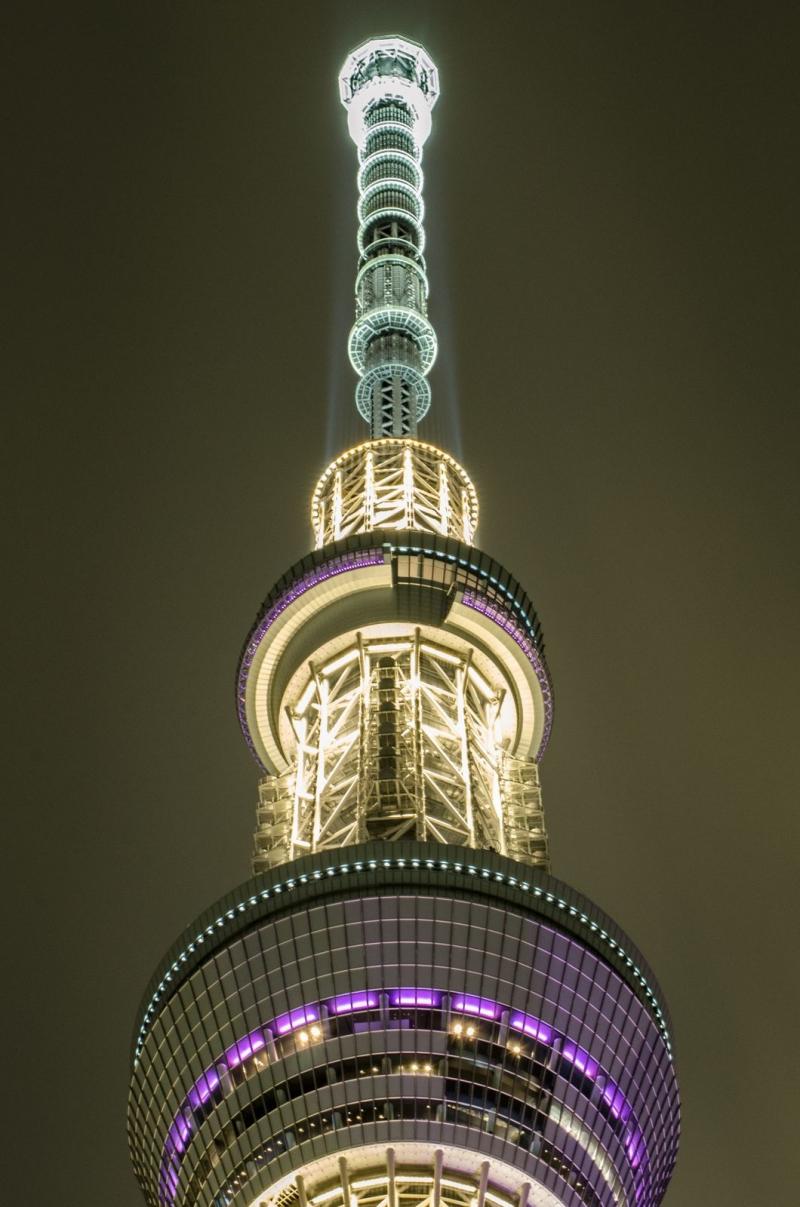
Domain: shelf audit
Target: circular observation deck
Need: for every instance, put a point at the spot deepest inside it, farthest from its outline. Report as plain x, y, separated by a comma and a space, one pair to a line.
402, 1014
392, 584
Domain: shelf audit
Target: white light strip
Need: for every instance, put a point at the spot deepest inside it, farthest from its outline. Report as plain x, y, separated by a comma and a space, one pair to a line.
435, 652
417, 1178
338, 663
481, 684
303, 702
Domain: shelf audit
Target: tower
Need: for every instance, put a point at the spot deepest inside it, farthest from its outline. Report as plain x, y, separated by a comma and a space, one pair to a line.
402, 1007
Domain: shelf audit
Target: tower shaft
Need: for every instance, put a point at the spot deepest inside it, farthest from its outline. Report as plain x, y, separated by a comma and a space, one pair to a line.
401, 1008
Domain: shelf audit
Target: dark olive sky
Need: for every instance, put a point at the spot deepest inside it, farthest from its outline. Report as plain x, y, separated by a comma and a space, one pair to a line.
611, 239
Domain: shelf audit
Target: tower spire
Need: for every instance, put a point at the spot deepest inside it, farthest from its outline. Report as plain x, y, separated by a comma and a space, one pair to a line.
389, 87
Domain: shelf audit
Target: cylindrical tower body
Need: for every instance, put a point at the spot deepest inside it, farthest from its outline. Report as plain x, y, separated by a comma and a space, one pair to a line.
401, 1008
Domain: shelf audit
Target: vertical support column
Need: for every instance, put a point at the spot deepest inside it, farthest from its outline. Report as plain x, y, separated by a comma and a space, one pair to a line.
363, 742
482, 1185
337, 505
491, 711
469, 532
319, 528
415, 688
369, 490
344, 1179
408, 487
438, 1162
466, 770
444, 499
390, 1166
300, 783
322, 741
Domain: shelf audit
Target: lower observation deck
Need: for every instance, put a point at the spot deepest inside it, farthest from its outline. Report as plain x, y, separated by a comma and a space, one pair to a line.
403, 1019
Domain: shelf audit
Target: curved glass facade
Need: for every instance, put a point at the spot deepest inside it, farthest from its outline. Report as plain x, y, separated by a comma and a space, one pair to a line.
456, 1016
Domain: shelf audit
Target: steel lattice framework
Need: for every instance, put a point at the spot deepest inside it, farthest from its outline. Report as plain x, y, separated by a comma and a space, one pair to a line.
400, 739
393, 483
391, 1184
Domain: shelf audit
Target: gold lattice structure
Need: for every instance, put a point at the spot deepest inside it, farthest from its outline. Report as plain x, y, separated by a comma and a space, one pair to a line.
394, 483
400, 738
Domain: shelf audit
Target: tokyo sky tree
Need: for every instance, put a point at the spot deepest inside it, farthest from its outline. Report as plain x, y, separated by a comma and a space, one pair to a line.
401, 1008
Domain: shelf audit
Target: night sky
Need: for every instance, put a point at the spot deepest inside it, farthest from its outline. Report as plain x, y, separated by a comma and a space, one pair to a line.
611, 230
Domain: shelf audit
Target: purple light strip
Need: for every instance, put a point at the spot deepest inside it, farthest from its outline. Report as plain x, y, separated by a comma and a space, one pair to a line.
169, 1182
484, 1007
285, 1023
635, 1147
348, 1003
343, 563
203, 1088
615, 1100
533, 1027
179, 1134
183, 1126
502, 618
581, 1059
415, 997
243, 1049
618, 1106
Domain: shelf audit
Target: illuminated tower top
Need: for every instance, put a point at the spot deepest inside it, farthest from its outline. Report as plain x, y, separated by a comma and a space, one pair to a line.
401, 1008
389, 87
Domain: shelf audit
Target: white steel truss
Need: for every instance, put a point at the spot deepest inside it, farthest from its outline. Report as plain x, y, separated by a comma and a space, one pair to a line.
394, 483
399, 738
396, 1186
441, 1177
